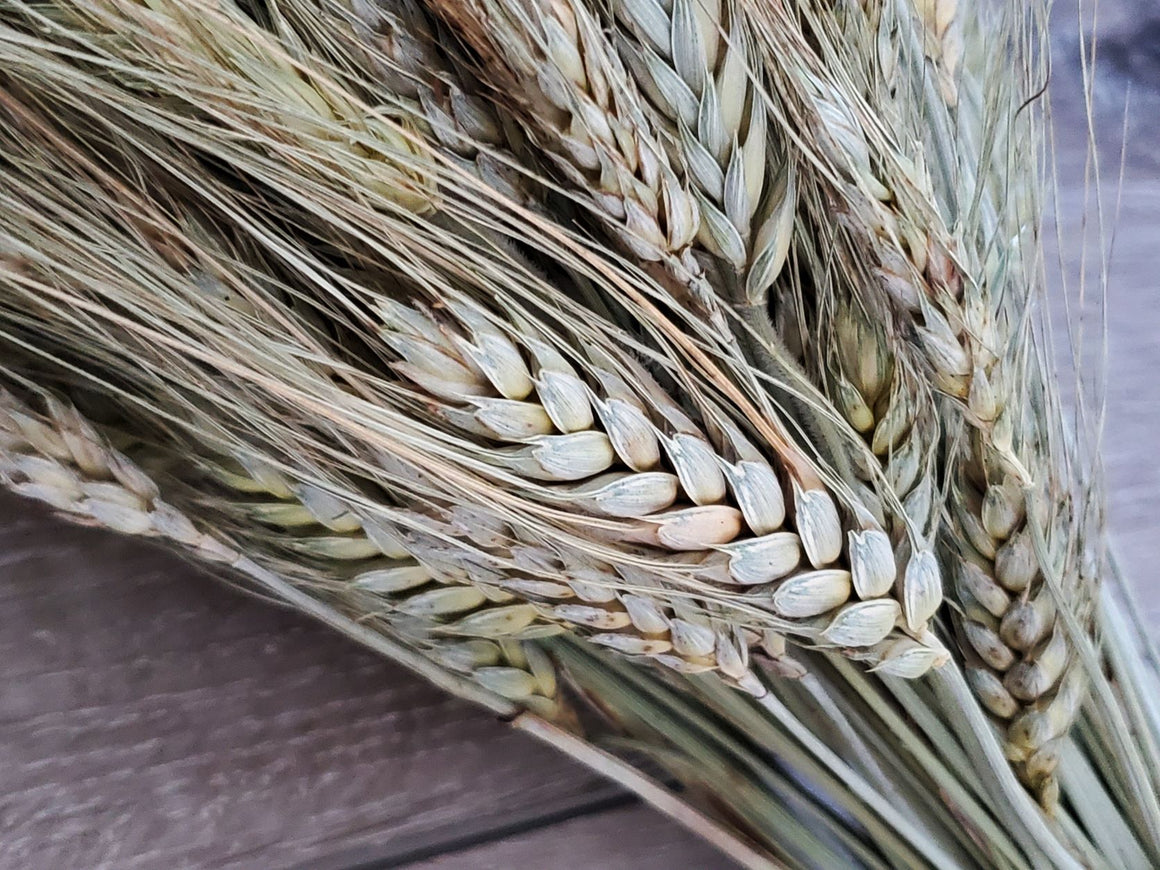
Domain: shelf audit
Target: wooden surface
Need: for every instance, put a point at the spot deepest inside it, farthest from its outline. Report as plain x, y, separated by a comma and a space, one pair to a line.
152, 718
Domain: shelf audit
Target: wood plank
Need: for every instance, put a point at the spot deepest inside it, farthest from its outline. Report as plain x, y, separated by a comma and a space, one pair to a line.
155, 718
1129, 61
632, 837
1133, 388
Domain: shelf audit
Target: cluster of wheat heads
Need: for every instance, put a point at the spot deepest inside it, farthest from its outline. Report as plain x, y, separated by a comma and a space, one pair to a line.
638, 371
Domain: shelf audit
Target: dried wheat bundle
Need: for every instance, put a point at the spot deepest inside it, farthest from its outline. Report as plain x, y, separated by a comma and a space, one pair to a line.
736, 504
948, 230
541, 344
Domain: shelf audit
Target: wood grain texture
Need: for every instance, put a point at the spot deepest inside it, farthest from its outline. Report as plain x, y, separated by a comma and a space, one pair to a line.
1125, 130
632, 837
150, 718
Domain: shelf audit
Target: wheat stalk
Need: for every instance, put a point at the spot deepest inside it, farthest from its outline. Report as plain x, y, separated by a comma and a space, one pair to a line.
1023, 659
326, 515
639, 622
308, 524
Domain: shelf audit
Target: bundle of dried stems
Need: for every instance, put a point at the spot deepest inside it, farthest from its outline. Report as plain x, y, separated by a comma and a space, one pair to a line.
646, 372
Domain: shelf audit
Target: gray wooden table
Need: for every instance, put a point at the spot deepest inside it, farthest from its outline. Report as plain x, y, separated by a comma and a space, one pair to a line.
153, 718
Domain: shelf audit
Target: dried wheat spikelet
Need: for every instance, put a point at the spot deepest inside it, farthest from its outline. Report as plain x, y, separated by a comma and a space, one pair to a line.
695, 63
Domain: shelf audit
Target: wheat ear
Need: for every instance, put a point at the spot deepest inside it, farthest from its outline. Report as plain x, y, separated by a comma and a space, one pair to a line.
694, 61
679, 633
609, 441
554, 63
697, 64
1021, 659
211, 56
57, 457
965, 298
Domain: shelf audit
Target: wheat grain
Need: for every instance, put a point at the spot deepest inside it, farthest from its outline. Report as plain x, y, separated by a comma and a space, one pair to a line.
58, 458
